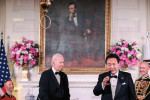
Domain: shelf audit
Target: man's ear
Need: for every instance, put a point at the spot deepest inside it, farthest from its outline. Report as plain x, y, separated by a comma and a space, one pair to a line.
5, 84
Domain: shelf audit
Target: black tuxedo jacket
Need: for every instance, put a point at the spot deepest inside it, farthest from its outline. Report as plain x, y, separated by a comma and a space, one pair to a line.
49, 88
76, 33
124, 91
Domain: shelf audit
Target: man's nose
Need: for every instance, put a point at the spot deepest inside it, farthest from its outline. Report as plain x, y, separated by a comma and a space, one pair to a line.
62, 64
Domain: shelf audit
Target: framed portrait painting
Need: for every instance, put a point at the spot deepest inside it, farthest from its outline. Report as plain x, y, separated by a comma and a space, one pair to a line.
80, 31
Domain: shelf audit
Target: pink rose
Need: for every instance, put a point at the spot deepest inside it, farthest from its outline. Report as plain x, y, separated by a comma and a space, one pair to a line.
121, 63
24, 39
118, 52
16, 49
12, 55
133, 44
26, 57
131, 52
125, 45
123, 57
135, 53
17, 57
33, 61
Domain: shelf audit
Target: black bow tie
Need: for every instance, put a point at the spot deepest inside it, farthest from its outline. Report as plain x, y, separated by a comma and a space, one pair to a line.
115, 76
57, 73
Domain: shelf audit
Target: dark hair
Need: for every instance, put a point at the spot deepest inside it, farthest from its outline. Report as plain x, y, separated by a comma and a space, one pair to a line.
73, 3
112, 56
7, 80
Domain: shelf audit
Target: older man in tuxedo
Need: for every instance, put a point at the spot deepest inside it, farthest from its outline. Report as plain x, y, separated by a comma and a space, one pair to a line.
53, 83
115, 84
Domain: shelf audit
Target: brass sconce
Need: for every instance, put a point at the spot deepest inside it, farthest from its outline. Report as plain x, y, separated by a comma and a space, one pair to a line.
45, 5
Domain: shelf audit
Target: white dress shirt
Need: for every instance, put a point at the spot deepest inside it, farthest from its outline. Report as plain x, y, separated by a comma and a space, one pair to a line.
57, 76
149, 72
74, 19
113, 82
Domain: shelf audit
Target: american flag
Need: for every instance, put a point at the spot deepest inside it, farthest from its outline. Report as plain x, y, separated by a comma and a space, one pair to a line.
4, 69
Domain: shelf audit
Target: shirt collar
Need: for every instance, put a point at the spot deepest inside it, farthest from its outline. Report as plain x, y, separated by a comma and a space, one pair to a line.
143, 77
116, 73
8, 95
53, 70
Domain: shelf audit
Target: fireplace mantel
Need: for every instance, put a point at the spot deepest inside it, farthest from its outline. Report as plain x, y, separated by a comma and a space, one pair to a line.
79, 90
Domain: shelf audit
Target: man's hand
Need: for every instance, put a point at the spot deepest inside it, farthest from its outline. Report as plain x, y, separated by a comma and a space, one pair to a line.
88, 31
105, 80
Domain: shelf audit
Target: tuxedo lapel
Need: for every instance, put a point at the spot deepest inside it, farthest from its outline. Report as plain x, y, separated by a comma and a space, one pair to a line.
54, 78
119, 83
108, 86
61, 79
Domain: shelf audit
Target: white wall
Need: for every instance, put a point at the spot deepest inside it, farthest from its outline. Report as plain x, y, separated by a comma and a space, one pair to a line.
2, 15
129, 22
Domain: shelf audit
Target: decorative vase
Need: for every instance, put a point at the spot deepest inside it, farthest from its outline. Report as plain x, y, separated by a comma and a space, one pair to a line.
25, 73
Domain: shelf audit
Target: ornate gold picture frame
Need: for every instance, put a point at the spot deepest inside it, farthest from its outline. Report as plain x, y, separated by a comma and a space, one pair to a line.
44, 33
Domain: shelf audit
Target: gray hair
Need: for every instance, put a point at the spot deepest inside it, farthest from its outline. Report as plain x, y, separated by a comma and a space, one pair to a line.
56, 55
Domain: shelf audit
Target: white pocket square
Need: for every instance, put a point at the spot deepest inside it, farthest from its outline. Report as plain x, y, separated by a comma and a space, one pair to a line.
123, 83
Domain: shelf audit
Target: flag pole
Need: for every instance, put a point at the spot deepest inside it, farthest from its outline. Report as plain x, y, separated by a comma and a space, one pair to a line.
147, 34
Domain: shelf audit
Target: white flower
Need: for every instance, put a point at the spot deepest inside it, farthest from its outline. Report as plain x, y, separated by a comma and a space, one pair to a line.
34, 43
135, 47
28, 45
21, 62
18, 52
119, 43
37, 50
128, 55
13, 52
122, 48
124, 41
130, 43
126, 49
30, 56
25, 52
22, 43
21, 58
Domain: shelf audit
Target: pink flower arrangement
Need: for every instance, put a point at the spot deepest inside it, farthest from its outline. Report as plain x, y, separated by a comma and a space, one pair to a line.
25, 53
127, 53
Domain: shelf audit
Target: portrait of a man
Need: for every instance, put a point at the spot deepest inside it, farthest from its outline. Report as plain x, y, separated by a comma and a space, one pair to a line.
77, 31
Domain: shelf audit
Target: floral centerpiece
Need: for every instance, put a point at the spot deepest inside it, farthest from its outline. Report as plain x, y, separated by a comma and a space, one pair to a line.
25, 53
127, 53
